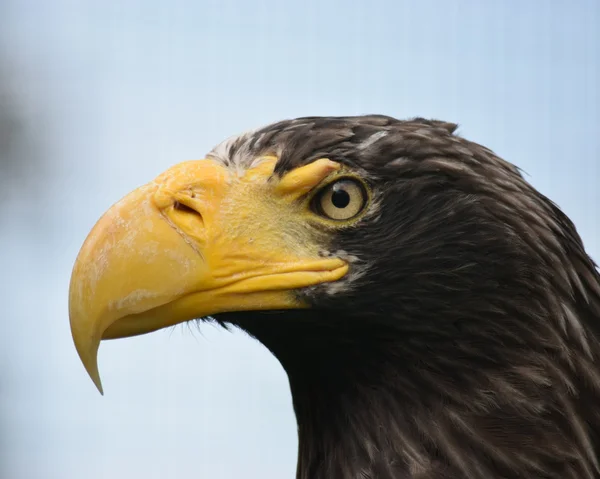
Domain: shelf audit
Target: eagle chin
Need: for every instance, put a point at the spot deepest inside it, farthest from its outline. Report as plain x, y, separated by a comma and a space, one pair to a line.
436, 315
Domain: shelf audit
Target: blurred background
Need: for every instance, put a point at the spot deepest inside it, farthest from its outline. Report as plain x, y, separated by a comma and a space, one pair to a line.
97, 98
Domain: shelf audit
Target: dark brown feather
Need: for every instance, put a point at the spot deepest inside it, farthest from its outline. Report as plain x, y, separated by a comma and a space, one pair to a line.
468, 345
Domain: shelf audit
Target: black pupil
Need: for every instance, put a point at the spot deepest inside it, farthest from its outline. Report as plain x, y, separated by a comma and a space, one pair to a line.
340, 197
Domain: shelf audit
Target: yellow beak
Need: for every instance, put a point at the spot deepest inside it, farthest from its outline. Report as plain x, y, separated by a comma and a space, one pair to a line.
199, 240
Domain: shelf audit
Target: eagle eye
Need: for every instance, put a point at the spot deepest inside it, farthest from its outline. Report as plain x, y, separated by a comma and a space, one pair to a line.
341, 200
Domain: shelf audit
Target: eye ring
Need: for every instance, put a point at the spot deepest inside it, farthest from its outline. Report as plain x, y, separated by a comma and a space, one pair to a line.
341, 200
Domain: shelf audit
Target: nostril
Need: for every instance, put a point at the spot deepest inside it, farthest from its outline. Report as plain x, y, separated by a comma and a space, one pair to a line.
186, 217
184, 208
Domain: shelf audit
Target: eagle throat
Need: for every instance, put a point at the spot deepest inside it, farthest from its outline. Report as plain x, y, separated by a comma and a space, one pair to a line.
392, 402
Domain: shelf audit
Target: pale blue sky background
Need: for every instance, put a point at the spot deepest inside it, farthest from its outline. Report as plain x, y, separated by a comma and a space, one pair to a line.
112, 93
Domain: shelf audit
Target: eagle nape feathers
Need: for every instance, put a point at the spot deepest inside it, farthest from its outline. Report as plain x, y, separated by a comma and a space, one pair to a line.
437, 316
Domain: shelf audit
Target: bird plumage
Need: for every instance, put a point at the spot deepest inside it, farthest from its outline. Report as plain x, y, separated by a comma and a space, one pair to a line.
466, 344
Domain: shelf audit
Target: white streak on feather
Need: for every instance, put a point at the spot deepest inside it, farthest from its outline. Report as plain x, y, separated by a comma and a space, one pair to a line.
374, 138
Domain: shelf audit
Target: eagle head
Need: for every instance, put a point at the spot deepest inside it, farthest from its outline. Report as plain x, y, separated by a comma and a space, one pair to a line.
436, 315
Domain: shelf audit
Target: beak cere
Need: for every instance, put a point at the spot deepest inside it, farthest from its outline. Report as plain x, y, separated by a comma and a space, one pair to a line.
197, 241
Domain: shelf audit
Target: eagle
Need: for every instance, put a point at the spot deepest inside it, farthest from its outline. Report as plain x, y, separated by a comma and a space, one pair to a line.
437, 316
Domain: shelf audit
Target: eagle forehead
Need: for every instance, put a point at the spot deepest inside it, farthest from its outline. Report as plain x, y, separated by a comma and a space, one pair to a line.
239, 152
355, 139
295, 139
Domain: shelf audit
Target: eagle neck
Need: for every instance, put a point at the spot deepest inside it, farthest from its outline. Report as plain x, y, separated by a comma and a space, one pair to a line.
379, 402
355, 410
